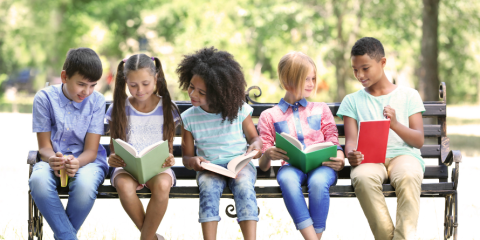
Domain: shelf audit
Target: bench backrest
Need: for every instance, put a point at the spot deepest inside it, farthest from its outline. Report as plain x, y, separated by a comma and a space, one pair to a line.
434, 119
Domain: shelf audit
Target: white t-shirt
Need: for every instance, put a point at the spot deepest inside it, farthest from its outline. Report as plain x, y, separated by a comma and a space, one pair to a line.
144, 129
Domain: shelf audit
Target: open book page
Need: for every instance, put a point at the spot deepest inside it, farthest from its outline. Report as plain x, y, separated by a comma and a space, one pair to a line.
239, 162
129, 148
292, 140
233, 167
218, 169
149, 148
317, 146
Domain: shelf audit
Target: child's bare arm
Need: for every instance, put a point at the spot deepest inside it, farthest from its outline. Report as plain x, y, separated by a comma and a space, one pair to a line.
252, 136
45, 147
412, 135
47, 154
90, 149
270, 151
189, 159
351, 131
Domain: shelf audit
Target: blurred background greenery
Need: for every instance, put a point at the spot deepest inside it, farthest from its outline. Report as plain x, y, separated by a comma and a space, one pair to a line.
426, 42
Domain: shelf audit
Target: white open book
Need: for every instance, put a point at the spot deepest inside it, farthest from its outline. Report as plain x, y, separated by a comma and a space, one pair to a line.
299, 145
133, 151
233, 167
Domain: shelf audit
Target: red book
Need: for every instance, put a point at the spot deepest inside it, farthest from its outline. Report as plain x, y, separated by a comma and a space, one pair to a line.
373, 139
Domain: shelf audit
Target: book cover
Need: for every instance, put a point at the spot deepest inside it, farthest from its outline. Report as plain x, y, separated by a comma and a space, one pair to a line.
305, 159
233, 167
146, 164
373, 139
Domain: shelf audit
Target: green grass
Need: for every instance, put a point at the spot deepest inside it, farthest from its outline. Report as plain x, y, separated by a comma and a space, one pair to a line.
468, 145
461, 121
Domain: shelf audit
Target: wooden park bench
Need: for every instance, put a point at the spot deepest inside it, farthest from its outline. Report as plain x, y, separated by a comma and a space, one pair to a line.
436, 147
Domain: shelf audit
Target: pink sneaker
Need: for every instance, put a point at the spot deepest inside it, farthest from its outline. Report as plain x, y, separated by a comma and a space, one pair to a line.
160, 237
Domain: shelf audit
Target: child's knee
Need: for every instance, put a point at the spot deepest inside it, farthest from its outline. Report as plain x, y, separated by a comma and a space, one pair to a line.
161, 187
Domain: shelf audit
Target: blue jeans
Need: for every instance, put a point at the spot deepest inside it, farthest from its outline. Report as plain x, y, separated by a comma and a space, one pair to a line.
211, 187
83, 192
318, 181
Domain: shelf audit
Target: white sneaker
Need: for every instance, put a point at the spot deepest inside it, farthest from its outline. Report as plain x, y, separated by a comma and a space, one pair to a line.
160, 237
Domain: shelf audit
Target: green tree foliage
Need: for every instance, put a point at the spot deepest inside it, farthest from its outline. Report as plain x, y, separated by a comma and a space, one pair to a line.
38, 34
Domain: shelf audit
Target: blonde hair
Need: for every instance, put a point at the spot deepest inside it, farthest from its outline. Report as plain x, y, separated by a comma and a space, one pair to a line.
293, 69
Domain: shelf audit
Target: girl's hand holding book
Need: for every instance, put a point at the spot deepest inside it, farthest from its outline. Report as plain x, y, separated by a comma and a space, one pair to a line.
255, 146
170, 161
274, 153
195, 163
354, 157
116, 161
337, 163
57, 162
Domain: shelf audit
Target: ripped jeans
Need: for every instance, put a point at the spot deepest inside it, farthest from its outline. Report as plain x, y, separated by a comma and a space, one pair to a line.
82, 194
211, 187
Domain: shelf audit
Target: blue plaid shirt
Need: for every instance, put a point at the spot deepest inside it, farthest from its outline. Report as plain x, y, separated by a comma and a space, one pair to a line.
69, 121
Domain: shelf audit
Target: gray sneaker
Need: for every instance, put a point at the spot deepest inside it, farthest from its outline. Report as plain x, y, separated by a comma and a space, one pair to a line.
160, 237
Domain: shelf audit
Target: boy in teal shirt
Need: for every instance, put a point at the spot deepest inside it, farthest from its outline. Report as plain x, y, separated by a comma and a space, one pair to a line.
403, 164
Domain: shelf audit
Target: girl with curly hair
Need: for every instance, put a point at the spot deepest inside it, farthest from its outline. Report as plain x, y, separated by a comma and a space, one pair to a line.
310, 123
217, 122
144, 118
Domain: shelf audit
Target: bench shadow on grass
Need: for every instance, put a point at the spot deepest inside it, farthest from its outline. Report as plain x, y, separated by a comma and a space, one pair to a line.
469, 146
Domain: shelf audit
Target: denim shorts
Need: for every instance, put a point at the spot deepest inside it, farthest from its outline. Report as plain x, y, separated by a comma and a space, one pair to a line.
211, 187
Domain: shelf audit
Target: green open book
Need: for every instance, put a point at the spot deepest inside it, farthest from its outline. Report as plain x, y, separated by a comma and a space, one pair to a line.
305, 159
145, 164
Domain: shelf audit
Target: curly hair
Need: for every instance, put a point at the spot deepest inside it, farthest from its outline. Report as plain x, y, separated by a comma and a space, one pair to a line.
369, 45
223, 78
119, 117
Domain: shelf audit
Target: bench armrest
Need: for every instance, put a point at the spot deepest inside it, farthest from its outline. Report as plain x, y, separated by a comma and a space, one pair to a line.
32, 157
454, 156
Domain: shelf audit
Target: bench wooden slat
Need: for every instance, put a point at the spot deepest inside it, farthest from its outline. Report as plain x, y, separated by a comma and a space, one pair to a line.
427, 151
432, 108
431, 172
429, 130
428, 189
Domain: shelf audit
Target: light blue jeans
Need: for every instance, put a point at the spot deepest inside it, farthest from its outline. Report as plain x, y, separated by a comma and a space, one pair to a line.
211, 187
318, 181
83, 192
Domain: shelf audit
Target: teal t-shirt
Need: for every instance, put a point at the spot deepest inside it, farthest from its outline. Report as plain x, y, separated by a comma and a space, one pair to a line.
363, 107
217, 141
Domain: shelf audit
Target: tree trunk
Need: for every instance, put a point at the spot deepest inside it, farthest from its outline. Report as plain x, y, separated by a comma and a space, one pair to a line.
428, 74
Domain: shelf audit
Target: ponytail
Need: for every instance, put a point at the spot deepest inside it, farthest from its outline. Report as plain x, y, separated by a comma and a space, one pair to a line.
169, 108
119, 122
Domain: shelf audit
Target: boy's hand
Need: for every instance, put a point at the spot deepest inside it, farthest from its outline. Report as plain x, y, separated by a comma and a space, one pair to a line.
255, 146
274, 153
72, 165
170, 161
56, 162
116, 161
355, 158
338, 162
389, 112
195, 163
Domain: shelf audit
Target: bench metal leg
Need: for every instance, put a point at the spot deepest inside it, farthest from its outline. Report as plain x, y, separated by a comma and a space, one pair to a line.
230, 211
451, 213
35, 220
